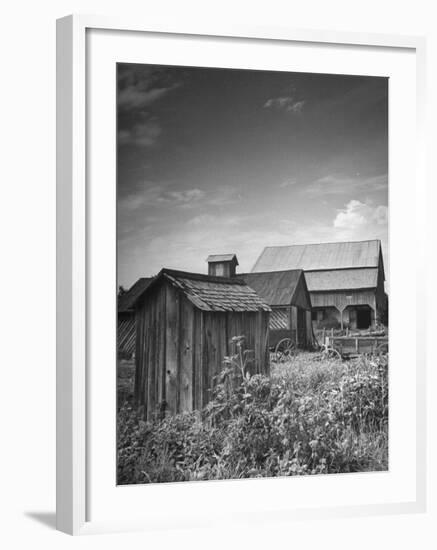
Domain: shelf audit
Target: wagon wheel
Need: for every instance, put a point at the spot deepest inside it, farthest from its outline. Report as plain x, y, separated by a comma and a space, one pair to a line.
285, 349
382, 349
331, 353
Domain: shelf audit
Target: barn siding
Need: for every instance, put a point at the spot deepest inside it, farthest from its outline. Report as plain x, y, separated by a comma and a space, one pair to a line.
340, 299
309, 328
151, 353
198, 341
186, 355
139, 363
172, 347
294, 324
180, 349
214, 349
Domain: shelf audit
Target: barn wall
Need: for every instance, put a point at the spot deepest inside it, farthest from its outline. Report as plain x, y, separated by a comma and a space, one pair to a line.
172, 349
309, 329
301, 297
380, 296
214, 348
150, 356
342, 299
218, 329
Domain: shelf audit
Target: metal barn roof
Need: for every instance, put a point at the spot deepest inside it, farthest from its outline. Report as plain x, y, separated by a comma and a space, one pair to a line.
127, 300
341, 279
210, 293
276, 288
322, 256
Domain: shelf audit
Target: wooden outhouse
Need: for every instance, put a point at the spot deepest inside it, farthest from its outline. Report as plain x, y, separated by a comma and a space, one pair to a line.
184, 323
287, 294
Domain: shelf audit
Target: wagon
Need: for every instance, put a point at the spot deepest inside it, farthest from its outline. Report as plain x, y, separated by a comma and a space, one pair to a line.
282, 343
347, 347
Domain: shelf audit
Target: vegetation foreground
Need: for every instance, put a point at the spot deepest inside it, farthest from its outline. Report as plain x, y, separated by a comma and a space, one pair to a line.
311, 416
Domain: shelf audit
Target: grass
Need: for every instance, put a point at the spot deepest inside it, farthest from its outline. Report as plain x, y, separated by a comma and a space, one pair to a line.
125, 382
311, 416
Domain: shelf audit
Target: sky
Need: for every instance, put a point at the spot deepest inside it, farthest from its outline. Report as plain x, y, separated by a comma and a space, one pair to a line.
214, 161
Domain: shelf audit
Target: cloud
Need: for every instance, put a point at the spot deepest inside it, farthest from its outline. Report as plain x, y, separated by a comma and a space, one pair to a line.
131, 97
206, 221
160, 195
185, 245
285, 103
139, 86
288, 183
141, 134
357, 214
339, 184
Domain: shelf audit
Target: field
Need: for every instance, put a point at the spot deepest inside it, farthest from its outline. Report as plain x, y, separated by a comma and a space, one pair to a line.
311, 416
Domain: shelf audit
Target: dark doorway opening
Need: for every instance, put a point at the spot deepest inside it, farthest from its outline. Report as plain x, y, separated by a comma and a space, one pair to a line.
364, 318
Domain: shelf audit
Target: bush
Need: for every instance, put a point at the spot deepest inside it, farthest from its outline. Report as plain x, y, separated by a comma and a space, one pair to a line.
309, 417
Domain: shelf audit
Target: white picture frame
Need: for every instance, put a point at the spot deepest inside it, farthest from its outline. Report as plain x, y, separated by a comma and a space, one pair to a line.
73, 343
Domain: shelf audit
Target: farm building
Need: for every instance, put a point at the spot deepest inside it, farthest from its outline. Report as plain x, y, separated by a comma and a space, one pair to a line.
287, 294
184, 324
345, 280
126, 318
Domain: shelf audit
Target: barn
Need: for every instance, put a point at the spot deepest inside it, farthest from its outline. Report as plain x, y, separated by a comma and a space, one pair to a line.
287, 294
126, 318
184, 324
345, 280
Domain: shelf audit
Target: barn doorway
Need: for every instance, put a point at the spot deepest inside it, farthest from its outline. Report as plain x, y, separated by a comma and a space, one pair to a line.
364, 318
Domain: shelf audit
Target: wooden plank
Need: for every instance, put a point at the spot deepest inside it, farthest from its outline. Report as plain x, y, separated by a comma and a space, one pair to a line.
197, 360
309, 327
210, 355
221, 341
186, 356
266, 344
151, 357
206, 345
139, 366
160, 379
294, 323
215, 347
172, 347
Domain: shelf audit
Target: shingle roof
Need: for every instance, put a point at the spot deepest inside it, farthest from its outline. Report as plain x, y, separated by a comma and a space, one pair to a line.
341, 279
276, 288
126, 301
211, 293
212, 258
319, 256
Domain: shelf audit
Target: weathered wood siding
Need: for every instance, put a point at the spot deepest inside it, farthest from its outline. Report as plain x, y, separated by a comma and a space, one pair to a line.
380, 296
180, 349
342, 299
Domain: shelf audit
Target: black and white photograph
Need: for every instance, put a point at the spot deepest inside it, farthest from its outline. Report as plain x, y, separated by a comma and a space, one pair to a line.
252, 274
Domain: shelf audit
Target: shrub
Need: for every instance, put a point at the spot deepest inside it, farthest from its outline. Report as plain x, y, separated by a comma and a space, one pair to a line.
309, 417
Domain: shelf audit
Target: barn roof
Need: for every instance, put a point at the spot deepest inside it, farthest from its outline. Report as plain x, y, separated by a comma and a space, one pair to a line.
126, 301
342, 279
321, 256
276, 288
212, 258
210, 293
